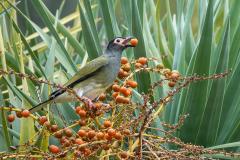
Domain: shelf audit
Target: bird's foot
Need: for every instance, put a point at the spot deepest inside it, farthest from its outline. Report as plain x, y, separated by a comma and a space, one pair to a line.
88, 102
106, 105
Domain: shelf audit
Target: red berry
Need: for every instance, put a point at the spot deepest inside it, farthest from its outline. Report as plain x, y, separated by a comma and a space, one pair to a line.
54, 149
118, 136
132, 84
79, 141
25, 113
134, 42
171, 84
107, 124
115, 94
123, 155
138, 65
125, 91
77, 109
126, 67
87, 152
126, 132
82, 113
42, 120
58, 134
124, 60
111, 132
91, 134
82, 122
82, 133
142, 60
11, 117
54, 128
68, 132
19, 114
116, 88
100, 135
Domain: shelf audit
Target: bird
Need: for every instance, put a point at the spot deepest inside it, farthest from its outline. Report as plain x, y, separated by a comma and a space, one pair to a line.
95, 77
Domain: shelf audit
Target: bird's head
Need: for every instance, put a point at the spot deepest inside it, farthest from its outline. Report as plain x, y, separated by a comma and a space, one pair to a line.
121, 43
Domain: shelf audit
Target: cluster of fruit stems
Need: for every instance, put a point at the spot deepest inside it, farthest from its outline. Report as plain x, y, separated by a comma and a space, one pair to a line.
148, 117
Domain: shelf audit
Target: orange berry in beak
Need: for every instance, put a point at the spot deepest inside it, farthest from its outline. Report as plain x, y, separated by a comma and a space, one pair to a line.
134, 42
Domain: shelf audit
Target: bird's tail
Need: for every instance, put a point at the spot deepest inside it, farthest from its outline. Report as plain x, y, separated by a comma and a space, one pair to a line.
40, 106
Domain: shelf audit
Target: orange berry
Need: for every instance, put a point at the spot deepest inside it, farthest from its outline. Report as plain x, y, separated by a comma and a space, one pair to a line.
123, 155
54, 128
126, 100
134, 42
11, 117
121, 73
54, 149
111, 132
82, 122
116, 88
58, 134
63, 140
68, 132
126, 67
100, 135
42, 120
107, 124
138, 65
126, 132
91, 134
67, 143
126, 92
108, 137
87, 152
105, 147
115, 94
123, 89
82, 113
47, 124
82, 133
120, 99
175, 75
142, 60
79, 141
171, 84
118, 136
77, 109
19, 114
102, 97
125, 74
25, 113
124, 60
132, 84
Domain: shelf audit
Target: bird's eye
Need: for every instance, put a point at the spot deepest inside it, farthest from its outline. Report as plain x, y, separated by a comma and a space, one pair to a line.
117, 40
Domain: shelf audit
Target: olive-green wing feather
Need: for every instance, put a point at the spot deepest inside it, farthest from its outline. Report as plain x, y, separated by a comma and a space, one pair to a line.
88, 69
85, 72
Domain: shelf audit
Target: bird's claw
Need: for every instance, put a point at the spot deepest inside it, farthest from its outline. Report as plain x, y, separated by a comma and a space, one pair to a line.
106, 105
88, 102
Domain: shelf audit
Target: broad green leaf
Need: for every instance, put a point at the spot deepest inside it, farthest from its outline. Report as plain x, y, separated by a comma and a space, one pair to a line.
108, 21
214, 104
89, 12
196, 96
39, 7
139, 51
89, 38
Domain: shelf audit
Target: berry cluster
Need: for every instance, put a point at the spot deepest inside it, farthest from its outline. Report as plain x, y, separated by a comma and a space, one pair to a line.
24, 113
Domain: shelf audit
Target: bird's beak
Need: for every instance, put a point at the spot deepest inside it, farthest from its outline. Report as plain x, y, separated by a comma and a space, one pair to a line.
127, 43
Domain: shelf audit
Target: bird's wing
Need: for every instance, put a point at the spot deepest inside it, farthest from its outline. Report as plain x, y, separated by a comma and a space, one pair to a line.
84, 73
88, 70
